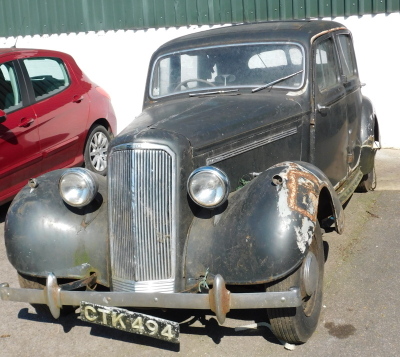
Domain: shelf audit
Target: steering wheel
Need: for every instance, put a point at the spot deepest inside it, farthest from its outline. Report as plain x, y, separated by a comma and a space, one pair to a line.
184, 83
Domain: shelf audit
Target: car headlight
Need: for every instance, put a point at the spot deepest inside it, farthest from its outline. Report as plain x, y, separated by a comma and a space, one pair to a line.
78, 187
208, 186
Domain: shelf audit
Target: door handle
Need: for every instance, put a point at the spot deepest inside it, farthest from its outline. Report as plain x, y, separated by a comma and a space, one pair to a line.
77, 98
323, 109
25, 122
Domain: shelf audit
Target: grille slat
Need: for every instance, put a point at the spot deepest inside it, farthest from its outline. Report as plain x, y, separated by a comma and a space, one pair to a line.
141, 224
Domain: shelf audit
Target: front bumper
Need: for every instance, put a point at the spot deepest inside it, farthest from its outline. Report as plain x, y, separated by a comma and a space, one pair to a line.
219, 299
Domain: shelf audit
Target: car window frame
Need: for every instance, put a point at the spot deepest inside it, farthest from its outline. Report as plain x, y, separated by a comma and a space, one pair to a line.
28, 81
352, 54
185, 50
353, 82
330, 95
320, 41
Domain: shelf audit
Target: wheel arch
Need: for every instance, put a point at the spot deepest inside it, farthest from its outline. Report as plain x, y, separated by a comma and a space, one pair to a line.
100, 121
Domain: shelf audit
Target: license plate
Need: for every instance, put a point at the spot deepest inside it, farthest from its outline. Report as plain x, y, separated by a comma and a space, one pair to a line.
129, 321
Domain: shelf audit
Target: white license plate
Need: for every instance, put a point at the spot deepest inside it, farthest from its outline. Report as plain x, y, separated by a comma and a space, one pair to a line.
129, 321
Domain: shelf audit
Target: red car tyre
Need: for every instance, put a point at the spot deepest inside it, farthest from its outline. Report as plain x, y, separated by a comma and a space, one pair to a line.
96, 150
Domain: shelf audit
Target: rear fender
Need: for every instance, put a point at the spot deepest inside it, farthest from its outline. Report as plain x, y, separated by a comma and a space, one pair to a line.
264, 231
370, 136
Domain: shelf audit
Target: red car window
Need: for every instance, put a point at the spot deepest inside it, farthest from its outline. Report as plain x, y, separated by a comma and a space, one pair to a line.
10, 95
48, 76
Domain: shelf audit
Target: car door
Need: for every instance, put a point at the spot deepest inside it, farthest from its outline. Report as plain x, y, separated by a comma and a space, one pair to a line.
20, 157
352, 85
61, 107
331, 129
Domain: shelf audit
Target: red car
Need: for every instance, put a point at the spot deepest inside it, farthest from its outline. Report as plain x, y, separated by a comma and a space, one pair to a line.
51, 116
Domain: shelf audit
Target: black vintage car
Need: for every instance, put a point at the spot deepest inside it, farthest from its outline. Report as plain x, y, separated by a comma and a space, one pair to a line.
252, 138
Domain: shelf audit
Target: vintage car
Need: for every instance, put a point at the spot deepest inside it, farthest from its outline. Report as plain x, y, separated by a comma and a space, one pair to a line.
251, 139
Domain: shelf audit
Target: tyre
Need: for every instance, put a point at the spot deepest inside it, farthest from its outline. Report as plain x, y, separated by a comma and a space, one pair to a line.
31, 282
296, 325
96, 147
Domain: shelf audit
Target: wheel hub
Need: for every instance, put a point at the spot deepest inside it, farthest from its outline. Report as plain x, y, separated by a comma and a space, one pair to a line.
99, 145
310, 273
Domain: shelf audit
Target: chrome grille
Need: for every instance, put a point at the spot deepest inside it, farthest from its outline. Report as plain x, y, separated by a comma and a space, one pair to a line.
141, 178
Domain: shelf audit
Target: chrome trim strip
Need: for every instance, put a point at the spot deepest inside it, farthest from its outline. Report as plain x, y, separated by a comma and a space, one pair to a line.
160, 286
132, 146
253, 145
156, 286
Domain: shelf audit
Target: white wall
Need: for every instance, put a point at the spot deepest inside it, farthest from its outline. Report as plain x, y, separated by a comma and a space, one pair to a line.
118, 62
378, 52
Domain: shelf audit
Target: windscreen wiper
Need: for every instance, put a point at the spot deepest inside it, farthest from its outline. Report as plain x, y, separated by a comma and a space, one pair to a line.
274, 82
213, 92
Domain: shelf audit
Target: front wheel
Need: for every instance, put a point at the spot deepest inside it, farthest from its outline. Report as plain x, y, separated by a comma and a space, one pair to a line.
296, 325
96, 147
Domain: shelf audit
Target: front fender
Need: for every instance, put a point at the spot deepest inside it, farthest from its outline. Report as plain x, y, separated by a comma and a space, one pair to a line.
43, 234
265, 229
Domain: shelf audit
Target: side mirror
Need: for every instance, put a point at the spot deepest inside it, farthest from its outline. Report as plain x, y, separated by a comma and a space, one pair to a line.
3, 116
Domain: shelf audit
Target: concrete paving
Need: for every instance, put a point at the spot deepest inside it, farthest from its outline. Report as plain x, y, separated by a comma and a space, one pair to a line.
361, 300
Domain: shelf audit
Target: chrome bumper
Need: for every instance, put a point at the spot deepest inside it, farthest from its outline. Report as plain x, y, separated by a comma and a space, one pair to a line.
219, 299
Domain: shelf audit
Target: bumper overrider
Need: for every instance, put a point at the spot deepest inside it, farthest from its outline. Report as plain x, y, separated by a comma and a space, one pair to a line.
219, 299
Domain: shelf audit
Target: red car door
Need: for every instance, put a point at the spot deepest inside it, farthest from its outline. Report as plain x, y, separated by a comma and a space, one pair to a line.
62, 108
20, 156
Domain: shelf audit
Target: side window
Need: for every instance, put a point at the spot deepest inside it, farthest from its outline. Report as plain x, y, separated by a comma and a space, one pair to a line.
347, 57
325, 65
48, 76
10, 95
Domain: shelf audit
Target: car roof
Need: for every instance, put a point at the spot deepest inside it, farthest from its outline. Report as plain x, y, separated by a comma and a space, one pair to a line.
287, 31
30, 52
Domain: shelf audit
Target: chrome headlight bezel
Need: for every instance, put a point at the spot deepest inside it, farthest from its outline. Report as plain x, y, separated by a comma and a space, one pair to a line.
217, 195
85, 186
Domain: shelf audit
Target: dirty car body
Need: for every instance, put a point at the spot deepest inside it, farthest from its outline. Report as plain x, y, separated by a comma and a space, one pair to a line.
251, 138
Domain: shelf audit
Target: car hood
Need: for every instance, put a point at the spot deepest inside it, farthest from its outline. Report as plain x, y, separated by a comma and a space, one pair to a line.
210, 121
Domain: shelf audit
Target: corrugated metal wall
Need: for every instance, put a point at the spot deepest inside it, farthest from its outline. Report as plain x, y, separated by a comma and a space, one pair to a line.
38, 17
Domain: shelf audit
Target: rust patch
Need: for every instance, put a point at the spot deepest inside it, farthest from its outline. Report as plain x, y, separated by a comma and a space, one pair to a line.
325, 32
301, 180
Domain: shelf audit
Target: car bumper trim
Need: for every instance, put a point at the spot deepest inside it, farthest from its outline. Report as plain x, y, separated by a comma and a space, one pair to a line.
219, 299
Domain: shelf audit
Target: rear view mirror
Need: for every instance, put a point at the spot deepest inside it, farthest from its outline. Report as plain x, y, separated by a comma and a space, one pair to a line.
3, 116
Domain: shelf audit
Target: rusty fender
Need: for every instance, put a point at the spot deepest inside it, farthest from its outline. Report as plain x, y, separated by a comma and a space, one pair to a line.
265, 230
43, 234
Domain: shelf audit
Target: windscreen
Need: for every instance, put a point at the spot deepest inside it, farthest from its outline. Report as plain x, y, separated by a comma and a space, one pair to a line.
227, 67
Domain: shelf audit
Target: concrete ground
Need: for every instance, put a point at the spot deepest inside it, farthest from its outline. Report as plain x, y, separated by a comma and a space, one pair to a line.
360, 310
